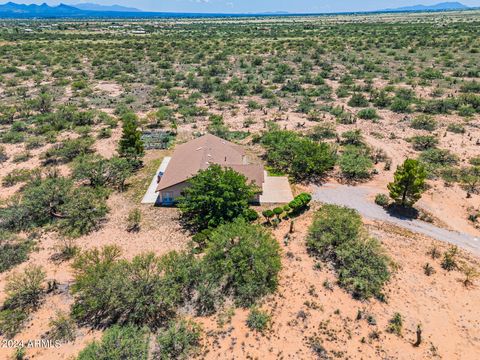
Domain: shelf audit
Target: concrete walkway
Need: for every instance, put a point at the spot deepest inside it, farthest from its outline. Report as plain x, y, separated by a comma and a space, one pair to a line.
151, 196
276, 190
360, 198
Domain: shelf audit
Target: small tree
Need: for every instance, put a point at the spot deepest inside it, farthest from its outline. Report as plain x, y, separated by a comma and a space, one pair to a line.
409, 183
215, 196
133, 221
131, 144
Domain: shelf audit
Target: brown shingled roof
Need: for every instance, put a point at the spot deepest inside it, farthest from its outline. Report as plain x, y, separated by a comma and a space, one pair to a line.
189, 158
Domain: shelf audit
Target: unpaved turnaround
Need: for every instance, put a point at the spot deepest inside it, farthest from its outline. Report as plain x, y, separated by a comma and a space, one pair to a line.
360, 198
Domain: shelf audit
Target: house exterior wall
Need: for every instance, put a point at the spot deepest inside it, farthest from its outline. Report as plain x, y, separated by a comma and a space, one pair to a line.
173, 192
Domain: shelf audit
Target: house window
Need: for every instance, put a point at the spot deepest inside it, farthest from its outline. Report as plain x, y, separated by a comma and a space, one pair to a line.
167, 197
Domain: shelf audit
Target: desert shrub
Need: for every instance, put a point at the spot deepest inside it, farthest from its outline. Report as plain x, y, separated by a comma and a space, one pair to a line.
449, 261
68, 150
381, 199
364, 268
332, 227
358, 100
323, 131
336, 234
179, 341
368, 114
241, 260
352, 137
62, 328
466, 110
470, 179
12, 137
424, 122
82, 212
423, 142
355, 164
456, 128
102, 172
258, 320
24, 292
470, 87
395, 324
118, 343
145, 291
133, 220
435, 159
301, 158
3, 154
13, 251
54, 200
475, 161
12, 322
215, 196
400, 105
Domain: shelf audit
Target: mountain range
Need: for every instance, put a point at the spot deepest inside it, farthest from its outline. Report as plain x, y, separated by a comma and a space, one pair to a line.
437, 7
13, 10
97, 7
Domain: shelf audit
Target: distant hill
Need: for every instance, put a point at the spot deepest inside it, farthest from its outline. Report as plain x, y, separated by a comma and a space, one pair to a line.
97, 7
90, 10
437, 7
33, 10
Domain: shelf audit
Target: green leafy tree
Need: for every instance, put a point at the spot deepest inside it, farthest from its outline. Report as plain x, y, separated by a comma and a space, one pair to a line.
409, 183
131, 144
215, 196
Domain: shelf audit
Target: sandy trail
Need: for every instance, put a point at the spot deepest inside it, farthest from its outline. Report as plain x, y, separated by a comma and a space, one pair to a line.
360, 199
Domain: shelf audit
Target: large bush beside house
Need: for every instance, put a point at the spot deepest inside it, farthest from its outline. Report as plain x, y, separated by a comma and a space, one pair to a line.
302, 158
215, 196
337, 235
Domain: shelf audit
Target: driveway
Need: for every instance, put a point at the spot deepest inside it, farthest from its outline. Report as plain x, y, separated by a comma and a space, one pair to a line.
276, 190
361, 199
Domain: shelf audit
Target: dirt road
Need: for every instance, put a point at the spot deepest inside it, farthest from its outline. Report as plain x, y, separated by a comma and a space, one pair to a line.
360, 198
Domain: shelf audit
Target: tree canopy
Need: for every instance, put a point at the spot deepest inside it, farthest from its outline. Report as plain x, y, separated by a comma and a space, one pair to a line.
215, 196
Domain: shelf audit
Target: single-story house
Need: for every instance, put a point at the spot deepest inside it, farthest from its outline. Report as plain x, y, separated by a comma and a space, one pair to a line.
198, 154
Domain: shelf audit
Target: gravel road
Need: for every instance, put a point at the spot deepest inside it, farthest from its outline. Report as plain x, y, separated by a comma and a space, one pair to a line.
361, 199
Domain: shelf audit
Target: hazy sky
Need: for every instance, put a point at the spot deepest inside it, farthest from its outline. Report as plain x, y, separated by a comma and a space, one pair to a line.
251, 6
